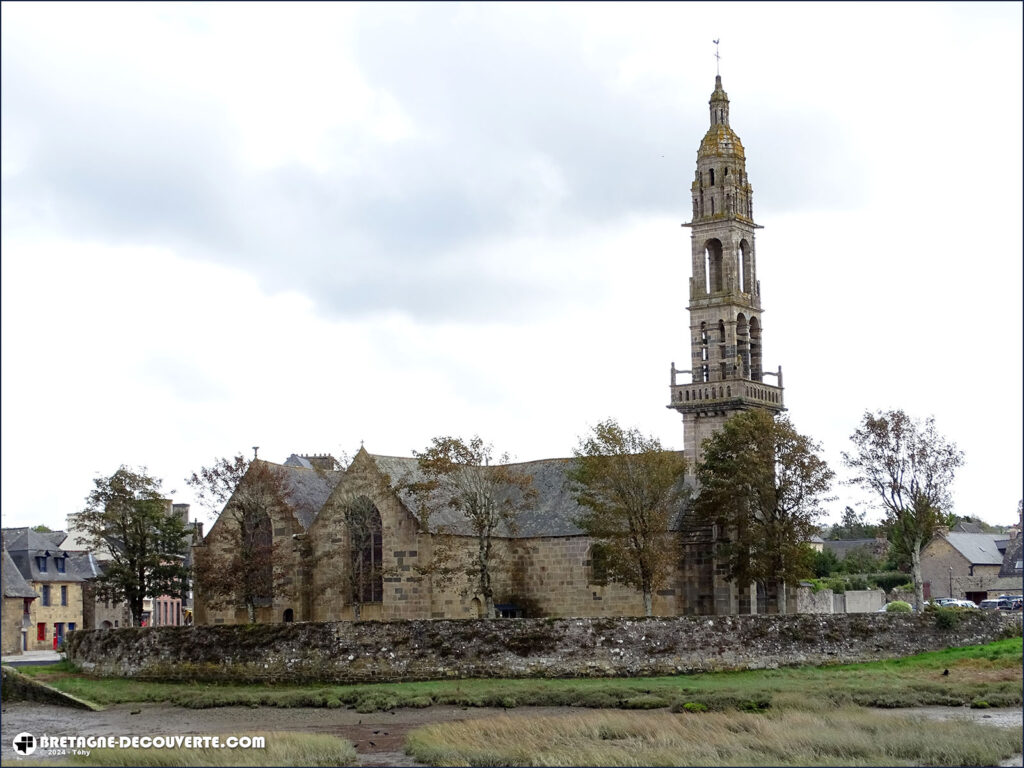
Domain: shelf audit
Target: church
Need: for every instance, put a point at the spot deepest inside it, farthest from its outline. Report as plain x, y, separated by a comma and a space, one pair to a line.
547, 566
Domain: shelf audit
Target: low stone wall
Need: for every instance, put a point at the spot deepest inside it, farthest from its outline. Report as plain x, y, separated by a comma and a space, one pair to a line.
18, 687
361, 652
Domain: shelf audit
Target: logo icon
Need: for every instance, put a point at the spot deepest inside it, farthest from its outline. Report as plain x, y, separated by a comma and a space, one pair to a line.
24, 744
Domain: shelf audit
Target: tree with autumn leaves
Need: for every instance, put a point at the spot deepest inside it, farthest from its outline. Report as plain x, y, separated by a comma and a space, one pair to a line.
908, 467
762, 484
630, 491
246, 496
460, 475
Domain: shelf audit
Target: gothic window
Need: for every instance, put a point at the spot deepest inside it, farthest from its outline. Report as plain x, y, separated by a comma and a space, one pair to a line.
289, 615
706, 374
712, 206
366, 544
711, 178
721, 332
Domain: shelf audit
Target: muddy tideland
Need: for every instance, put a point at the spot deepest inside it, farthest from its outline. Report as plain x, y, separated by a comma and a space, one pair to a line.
378, 736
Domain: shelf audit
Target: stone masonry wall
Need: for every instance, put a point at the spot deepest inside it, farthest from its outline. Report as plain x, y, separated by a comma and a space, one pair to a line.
363, 652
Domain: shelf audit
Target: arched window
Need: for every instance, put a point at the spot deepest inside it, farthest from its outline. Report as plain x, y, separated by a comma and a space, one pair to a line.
366, 545
744, 266
755, 350
742, 346
711, 178
713, 265
289, 615
597, 560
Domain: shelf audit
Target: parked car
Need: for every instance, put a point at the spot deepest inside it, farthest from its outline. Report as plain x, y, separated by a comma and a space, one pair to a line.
989, 605
962, 604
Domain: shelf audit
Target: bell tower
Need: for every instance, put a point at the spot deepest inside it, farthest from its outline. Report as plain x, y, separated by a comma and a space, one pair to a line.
726, 330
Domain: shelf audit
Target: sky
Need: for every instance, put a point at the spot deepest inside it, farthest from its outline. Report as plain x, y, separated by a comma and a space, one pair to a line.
311, 227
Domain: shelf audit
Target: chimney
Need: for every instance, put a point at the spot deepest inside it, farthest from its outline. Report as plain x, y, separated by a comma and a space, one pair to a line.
324, 462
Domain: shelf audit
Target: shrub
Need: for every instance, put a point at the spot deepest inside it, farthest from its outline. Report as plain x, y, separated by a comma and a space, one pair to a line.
897, 606
947, 618
890, 580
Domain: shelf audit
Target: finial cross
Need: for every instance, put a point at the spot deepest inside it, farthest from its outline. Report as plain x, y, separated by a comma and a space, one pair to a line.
717, 57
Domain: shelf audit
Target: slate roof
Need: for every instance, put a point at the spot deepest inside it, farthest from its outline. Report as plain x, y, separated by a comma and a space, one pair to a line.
553, 513
297, 461
14, 584
308, 490
25, 544
977, 548
965, 526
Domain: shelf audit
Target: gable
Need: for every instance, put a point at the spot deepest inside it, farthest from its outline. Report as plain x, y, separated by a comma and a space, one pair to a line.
977, 548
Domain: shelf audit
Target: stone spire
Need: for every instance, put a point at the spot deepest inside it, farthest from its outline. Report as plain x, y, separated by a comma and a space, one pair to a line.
726, 330
719, 104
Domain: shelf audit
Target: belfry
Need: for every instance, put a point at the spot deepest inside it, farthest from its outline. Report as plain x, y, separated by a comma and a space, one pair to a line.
726, 331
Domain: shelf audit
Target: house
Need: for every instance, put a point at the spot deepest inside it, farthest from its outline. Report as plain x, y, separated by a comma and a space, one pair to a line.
101, 613
967, 566
54, 576
18, 597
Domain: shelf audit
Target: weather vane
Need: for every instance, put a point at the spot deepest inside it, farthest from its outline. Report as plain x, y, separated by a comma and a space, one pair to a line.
717, 57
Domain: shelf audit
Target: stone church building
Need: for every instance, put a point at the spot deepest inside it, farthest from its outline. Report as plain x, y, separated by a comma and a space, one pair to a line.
547, 566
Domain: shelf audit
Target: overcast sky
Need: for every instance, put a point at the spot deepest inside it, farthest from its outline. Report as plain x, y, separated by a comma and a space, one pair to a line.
304, 227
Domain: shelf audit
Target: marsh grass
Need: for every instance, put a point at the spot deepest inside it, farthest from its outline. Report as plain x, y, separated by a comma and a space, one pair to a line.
990, 673
846, 736
284, 749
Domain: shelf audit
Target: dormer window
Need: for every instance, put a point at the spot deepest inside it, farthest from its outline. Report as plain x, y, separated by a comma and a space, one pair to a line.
41, 563
59, 562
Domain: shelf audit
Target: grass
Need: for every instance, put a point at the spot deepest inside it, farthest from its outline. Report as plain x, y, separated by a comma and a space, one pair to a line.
281, 749
986, 673
846, 736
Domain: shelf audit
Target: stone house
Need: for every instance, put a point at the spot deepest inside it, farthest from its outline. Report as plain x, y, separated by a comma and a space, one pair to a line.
54, 576
106, 614
967, 566
16, 614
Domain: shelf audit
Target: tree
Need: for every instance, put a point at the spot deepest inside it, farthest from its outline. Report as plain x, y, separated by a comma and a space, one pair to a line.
459, 475
631, 490
246, 496
853, 526
127, 518
762, 483
909, 468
